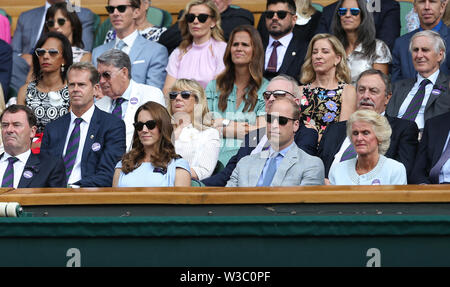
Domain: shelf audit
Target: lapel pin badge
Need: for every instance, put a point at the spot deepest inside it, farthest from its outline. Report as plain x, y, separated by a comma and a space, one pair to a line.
293, 53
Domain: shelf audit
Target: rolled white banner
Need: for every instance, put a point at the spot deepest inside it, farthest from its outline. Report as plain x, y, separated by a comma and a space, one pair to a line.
10, 209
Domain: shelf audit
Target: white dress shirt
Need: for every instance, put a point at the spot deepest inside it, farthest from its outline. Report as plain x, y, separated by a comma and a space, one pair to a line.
41, 26
18, 165
129, 40
281, 50
84, 127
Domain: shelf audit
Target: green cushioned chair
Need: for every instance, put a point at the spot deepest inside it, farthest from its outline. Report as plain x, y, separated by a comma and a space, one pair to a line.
317, 6
405, 8
197, 183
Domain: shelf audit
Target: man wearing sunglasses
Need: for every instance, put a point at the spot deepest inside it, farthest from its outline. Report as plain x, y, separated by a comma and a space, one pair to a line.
430, 14
28, 31
90, 141
285, 46
256, 141
122, 95
386, 15
149, 59
283, 163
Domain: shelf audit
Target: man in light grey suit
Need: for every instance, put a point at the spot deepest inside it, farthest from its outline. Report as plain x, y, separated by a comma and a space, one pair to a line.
149, 59
283, 163
427, 95
28, 30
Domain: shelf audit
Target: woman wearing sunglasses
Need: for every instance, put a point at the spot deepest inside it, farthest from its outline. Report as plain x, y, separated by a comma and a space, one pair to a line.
326, 95
152, 160
47, 94
235, 97
195, 139
354, 26
200, 54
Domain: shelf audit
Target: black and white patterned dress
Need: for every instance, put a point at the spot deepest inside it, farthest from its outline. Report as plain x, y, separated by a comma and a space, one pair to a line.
47, 106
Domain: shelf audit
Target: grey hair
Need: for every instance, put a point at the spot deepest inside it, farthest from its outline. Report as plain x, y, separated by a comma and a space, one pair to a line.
94, 78
438, 43
294, 84
383, 76
117, 59
379, 123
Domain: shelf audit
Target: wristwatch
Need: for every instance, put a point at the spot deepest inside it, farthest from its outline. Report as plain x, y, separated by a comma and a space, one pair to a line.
225, 122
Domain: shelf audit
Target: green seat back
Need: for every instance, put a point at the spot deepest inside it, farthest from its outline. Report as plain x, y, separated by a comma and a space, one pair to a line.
405, 8
317, 6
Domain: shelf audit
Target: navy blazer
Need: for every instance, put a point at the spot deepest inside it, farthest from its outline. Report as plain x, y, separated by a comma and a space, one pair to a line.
5, 67
430, 148
103, 147
387, 21
403, 145
43, 170
402, 64
305, 138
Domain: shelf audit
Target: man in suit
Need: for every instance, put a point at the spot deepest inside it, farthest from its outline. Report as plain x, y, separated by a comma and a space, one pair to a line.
285, 47
149, 59
432, 165
386, 15
19, 168
283, 163
28, 31
231, 16
427, 95
430, 17
5, 67
256, 141
373, 92
90, 141
122, 95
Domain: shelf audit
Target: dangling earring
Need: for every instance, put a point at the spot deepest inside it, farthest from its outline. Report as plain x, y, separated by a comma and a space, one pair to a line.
62, 68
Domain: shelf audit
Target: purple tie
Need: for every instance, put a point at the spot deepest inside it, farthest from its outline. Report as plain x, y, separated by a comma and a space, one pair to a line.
8, 176
72, 148
118, 108
272, 65
349, 153
416, 102
436, 170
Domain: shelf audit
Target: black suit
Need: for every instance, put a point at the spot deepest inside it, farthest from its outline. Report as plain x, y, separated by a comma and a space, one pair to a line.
430, 148
5, 67
387, 21
305, 138
294, 57
43, 170
403, 145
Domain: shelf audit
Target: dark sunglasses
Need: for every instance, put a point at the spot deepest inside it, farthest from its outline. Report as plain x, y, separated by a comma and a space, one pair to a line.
282, 121
139, 126
107, 75
120, 8
51, 23
276, 94
280, 14
201, 17
41, 52
353, 11
184, 94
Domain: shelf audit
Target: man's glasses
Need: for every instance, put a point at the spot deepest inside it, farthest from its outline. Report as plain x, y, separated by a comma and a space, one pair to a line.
280, 14
51, 23
120, 8
108, 75
201, 17
184, 94
139, 126
282, 121
353, 11
41, 52
276, 94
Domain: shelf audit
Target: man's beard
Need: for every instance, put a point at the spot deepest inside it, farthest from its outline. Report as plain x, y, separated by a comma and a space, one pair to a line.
279, 33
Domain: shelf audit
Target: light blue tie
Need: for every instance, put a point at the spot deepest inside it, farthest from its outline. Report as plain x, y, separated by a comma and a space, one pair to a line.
271, 169
120, 45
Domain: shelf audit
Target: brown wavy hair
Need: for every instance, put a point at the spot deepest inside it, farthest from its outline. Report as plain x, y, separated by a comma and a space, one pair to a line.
164, 151
225, 81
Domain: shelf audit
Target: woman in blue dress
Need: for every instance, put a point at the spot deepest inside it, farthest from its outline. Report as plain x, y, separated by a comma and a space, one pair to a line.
152, 161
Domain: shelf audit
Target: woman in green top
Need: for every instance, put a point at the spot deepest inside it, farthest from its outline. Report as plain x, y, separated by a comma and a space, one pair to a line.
235, 97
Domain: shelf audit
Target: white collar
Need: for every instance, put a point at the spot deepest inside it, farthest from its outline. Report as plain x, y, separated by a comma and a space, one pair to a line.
285, 40
87, 116
129, 40
23, 157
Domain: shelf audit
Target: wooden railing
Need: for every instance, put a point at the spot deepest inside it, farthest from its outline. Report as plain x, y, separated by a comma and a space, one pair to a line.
220, 195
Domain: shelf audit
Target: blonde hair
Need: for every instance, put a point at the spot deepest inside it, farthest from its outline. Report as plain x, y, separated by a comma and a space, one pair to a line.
305, 8
342, 70
379, 123
201, 118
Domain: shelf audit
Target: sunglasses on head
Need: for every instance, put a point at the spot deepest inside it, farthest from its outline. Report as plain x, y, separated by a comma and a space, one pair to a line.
353, 11
139, 126
51, 23
120, 8
276, 94
201, 17
282, 121
41, 52
280, 14
184, 94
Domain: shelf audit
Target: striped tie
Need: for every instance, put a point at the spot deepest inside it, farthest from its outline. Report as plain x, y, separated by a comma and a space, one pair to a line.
118, 108
72, 148
416, 102
8, 176
120, 45
349, 153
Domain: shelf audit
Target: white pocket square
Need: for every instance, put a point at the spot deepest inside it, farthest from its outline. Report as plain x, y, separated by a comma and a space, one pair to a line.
138, 62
